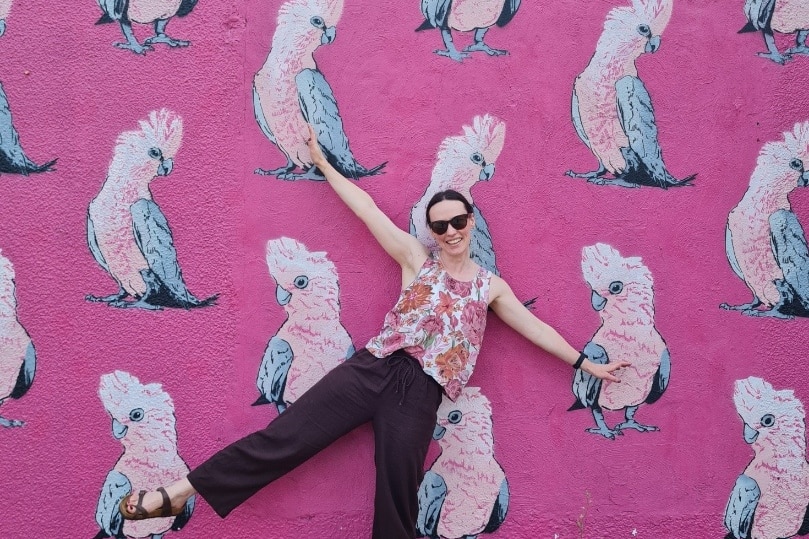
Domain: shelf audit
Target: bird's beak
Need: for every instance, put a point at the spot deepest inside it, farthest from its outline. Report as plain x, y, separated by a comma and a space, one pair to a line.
282, 296
598, 301
653, 44
328, 35
118, 429
165, 167
803, 179
750, 434
487, 173
438, 433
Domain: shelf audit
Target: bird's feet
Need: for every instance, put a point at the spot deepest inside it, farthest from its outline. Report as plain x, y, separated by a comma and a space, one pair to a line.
452, 54
274, 171
11, 423
589, 176
632, 424
139, 304
312, 174
106, 299
800, 49
776, 56
482, 47
606, 432
163, 38
137, 48
769, 313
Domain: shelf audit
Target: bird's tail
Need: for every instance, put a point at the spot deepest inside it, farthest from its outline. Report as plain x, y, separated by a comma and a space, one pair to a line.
260, 401
576, 406
355, 170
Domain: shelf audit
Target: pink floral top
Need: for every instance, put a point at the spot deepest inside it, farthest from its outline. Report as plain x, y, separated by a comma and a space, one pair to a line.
439, 321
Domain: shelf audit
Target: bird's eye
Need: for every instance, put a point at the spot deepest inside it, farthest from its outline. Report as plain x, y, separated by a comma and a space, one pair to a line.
454, 417
136, 414
155, 153
644, 30
301, 281
477, 158
768, 420
317, 22
616, 287
797, 164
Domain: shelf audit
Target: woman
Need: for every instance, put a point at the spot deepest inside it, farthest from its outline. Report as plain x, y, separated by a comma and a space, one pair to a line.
428, 345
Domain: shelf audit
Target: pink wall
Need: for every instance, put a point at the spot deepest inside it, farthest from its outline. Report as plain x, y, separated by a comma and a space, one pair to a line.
71, 94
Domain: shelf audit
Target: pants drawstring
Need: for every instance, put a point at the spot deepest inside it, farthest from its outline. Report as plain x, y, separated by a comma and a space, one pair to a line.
405, 373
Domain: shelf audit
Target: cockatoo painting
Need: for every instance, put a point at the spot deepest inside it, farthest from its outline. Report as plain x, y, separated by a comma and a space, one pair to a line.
143, 421
769, 500
467, 16
778, 16
764, 241
17, 356
5, 8
12, 157
289, 92
463, 161
465, 491
156, 12
311, 341
612, 111
127, 232
622, 294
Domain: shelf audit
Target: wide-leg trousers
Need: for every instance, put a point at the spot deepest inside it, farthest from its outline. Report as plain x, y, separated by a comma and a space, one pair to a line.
393, 393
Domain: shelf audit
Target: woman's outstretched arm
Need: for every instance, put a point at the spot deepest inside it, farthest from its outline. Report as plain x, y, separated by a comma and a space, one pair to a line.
401, 246
512, 312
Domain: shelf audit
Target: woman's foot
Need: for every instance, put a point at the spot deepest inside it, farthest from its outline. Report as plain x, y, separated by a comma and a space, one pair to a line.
164, 502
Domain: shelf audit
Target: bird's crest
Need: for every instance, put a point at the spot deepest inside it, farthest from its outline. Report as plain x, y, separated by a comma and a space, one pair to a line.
773, 163
755, 398
163, 130
299, 11
601, 265
468, 421
294, 267
488, 134
654, 13
120, 392
455, 167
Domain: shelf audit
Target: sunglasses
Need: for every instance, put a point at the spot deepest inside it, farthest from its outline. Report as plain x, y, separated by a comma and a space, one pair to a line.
458, 222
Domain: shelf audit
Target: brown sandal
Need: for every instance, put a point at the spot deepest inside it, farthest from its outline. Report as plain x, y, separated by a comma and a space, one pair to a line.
141, 513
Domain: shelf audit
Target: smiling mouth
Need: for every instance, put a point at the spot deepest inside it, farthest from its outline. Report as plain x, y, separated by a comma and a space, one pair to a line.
455, 241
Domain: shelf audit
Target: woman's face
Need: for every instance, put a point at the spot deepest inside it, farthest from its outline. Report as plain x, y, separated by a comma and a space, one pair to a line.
453, 241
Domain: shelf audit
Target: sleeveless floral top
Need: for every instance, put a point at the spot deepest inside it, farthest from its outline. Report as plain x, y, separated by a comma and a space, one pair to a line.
439, 321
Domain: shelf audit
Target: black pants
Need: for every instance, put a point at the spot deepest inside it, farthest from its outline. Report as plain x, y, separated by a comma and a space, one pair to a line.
393, 393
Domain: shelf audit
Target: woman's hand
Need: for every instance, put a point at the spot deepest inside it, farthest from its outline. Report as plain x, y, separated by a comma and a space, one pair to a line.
604, 372
318, 158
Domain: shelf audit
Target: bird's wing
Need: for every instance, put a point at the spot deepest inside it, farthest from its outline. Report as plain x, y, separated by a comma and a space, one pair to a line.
661, 379
499, 510
26, 375
759, 13
153, 237
114, 10
481, 247
577, 123
436, 13
12, 157
789, 247
186, 7
741, 507
182, 519
585, 386
272, 374
319, 108
108, 516
92, 241
510, 8
260, 118
730, 252
432, 492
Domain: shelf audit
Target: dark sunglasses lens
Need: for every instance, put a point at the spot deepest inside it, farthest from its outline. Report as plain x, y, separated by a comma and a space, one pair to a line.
439, 227
459, 221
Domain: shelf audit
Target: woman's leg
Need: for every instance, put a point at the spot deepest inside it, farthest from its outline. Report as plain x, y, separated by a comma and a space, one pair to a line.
403, 426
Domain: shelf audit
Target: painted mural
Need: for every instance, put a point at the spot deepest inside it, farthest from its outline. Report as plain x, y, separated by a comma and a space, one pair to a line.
623, 295
764, 241
5, 9
143, 421
463, 161
612, 110
17, 355
778, 16
155, 12
311, 341
289, 91
128, 233
770, 498
467, 16
12, 157
465, 492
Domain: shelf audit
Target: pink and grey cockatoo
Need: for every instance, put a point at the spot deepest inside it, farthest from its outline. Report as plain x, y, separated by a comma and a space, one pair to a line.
782, 16
157, 12
769, 500
127, 232
764, 241
465, 491
17, 355
5, 8
289, 92
464, 160
143, 420
612, 111
12, 157
466, 16
311, 341
622, 294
